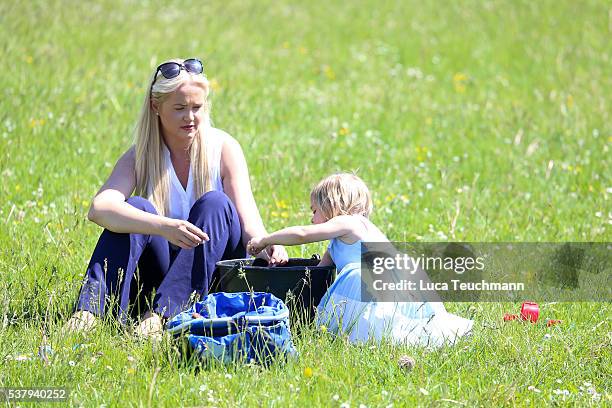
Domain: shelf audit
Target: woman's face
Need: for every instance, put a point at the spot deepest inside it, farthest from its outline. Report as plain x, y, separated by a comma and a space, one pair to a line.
182, 112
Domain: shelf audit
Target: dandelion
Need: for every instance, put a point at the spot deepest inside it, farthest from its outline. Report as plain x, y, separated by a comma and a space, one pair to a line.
329, 72
459, 81
344, 130
308, 372
214, 85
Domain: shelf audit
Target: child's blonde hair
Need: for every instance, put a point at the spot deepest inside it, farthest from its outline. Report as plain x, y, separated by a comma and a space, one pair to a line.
342, 194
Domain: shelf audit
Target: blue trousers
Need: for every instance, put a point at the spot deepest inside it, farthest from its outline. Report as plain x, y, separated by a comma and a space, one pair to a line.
168, 278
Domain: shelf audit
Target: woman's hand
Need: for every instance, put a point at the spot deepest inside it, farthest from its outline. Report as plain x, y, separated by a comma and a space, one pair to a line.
183, 234
277, 255
256, 245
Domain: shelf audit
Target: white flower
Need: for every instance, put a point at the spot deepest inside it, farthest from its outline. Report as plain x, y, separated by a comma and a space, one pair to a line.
71, 363
336, 397
424, 391
534, 389
228, 376
202, 387
547, 336
345, 405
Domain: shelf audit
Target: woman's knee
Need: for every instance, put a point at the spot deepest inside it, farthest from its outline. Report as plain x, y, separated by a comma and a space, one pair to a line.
142, 204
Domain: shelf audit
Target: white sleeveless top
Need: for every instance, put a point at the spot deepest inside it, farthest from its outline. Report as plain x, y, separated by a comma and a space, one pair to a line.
181, 200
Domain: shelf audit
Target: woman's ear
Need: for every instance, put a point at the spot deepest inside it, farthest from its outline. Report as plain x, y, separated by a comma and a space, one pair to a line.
155, 107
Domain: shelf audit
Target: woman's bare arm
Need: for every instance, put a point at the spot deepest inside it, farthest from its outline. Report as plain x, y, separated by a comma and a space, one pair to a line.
237, 186
110, 210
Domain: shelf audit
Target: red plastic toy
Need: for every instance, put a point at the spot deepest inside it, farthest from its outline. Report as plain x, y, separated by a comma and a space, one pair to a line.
509, 317
530, 311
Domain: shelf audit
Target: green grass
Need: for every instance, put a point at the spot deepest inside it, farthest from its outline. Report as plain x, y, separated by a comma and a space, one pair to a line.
496, 108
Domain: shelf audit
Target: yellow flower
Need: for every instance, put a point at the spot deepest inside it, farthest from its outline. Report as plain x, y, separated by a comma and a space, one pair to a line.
18, 187
281, 204
29, 59
308, 372
329, 72
286, 45
215, 85
274, 213
459, 80
570, 101
284, 214
343, 131
303, 50
131, 371
323, 328
85, 203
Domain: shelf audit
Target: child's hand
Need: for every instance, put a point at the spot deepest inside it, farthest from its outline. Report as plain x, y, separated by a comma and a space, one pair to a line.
256, 245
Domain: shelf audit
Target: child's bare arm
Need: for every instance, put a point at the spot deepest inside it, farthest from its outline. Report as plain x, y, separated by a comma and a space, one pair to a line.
303, 234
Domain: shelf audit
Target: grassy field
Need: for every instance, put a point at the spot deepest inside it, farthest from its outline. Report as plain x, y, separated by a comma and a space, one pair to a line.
471, 120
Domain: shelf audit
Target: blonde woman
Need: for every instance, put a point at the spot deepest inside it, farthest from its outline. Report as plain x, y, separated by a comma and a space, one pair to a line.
341, 205
193, 206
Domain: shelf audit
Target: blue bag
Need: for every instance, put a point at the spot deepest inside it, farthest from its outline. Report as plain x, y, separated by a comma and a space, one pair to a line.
243, 326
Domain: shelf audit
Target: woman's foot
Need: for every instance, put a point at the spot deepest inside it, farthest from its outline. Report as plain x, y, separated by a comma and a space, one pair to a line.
151, 327
81, 321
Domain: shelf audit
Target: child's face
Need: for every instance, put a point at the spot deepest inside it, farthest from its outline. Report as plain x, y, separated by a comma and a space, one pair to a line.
317, 215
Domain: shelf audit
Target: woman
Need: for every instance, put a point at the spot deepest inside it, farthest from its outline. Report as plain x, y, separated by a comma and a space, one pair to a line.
193, 207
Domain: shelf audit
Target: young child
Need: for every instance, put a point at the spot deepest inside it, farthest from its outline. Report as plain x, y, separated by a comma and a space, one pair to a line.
341, 205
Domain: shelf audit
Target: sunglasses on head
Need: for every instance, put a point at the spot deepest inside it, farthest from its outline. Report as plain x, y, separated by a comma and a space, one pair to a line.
172, 69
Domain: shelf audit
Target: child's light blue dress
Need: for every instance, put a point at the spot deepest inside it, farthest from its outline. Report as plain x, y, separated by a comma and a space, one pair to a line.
341, 309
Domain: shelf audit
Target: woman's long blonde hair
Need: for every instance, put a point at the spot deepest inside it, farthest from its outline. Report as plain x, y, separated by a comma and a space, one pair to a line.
152, 178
